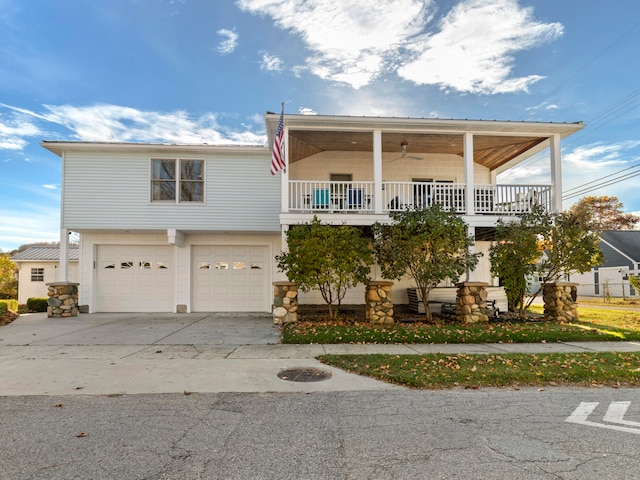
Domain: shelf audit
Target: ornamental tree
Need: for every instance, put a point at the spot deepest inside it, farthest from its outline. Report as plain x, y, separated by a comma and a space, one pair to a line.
8, 281
603, 213
328, 258
427, 244
551, 245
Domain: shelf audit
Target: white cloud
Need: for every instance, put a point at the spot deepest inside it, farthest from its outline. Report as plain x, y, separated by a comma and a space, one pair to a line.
356, 41
306, 111
51, 186
229, 42
14, 130
599, 155
113, 123
473, 50
271, 63
544, 106
352, 40
36, 225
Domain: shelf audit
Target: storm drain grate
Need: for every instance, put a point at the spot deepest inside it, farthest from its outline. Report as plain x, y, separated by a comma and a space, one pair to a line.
304, 375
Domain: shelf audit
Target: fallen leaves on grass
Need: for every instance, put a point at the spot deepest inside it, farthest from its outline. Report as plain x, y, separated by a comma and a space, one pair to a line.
472, 371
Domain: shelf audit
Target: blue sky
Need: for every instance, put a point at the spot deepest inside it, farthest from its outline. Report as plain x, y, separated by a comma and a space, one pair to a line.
206, 71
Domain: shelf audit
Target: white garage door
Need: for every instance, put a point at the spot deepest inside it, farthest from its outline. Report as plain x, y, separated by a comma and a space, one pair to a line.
134, 278
230, 279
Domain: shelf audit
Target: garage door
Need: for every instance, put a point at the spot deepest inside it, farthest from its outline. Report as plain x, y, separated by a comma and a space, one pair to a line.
230, 279
134, 278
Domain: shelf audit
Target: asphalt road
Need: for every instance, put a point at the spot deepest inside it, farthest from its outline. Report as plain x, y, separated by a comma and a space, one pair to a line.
400, 434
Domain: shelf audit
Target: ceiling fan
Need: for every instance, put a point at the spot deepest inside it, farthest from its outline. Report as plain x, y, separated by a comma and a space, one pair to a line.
404, 153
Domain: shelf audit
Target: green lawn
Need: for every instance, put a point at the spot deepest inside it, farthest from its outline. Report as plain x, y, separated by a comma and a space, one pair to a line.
475, 371
594, 324
490, 370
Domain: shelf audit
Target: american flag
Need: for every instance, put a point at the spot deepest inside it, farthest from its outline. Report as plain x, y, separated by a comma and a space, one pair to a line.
277, 156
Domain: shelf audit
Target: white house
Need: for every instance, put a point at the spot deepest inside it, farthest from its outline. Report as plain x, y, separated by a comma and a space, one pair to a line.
196, 227
621, 250
38, 266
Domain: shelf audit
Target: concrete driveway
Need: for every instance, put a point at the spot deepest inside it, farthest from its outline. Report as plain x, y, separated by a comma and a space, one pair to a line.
142, 329
106, 354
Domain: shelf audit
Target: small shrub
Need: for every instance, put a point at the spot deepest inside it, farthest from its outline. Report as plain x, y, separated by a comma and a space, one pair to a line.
9, 305
22, 308
37, 304
3, 308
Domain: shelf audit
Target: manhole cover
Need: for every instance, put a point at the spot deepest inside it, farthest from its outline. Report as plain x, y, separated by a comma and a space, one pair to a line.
304, 375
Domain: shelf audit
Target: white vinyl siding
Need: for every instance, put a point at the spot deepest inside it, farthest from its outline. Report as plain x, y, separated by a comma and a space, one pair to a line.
112, 191
38, 289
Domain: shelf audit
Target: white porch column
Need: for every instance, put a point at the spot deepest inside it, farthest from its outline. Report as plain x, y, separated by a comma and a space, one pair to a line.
468, 172
284, 207
63, 270
377, 171
556, 174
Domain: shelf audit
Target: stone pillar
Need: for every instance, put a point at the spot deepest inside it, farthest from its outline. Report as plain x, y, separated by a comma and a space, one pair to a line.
559, 301
285, 302
63, 299
471, 302
379, 303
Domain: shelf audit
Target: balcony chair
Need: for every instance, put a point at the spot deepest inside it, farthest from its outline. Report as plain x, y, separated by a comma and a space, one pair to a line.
321, 198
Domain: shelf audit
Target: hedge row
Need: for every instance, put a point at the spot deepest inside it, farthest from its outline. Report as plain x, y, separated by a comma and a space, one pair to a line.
8, 305
37, 304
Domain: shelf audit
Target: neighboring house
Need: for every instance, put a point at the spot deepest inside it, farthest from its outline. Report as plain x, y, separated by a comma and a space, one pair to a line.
621, 250
168, 228
38, 266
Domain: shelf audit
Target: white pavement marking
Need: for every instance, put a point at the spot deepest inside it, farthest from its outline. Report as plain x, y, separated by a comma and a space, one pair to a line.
582, 412
615, 414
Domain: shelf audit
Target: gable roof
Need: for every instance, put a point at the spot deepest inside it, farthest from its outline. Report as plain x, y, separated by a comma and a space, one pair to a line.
625, 242
49, 253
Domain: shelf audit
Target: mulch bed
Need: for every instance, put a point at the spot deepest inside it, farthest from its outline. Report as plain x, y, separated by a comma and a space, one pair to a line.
8, 317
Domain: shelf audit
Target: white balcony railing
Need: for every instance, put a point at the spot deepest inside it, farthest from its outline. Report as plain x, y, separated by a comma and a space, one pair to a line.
358, 197
331, 196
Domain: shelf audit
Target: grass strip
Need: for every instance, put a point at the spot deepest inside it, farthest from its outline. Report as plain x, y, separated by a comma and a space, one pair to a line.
593, 325
438, 371
516, 332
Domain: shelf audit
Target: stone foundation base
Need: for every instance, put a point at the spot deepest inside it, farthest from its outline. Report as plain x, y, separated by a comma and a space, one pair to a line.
63, 299
471, 302
379, 302
285, 302
559, 302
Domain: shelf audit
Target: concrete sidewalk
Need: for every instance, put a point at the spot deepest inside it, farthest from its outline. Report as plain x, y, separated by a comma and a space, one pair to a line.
110, 354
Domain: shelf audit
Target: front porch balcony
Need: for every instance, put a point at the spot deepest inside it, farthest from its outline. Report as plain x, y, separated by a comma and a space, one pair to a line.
360, 197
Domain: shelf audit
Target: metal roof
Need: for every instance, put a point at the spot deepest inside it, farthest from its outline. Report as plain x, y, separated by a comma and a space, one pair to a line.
45, 254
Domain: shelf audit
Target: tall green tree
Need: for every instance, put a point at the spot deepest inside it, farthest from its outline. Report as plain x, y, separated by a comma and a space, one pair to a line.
515, 254
328, 258
603, 213
427, 244
550, 245
8, 281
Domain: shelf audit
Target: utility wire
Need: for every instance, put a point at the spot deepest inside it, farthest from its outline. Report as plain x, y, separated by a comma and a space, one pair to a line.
601, 178
602, 185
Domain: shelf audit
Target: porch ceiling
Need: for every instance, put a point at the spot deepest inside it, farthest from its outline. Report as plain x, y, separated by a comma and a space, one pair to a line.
491, 151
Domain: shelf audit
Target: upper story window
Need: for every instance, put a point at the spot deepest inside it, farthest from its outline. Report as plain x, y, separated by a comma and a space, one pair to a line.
177, 180
37, 274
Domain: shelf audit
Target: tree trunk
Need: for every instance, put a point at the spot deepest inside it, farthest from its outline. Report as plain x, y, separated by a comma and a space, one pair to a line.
425, 301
